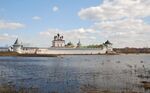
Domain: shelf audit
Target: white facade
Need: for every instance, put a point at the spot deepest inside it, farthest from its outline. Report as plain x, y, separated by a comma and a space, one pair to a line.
58, 48
79, 51
29, 50
17, 47
109, 47
58, 41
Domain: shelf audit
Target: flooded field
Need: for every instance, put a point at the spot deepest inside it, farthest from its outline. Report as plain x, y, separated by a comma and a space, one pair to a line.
77, 74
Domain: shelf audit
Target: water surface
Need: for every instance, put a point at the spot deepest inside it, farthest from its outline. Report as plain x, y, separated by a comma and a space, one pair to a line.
74, 73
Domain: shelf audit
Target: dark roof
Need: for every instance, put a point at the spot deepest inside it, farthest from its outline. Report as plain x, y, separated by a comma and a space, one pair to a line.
108, 42
16, 42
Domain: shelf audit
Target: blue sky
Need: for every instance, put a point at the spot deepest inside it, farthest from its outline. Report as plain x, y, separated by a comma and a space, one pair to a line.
22, 11
35, 22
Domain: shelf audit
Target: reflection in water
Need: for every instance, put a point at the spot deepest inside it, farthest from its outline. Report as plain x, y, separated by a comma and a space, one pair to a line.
78, 74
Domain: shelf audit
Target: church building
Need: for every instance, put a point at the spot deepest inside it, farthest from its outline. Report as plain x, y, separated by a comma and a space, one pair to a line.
58, 41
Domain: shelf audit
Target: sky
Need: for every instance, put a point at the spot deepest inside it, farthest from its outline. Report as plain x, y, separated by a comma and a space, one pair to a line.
125, 23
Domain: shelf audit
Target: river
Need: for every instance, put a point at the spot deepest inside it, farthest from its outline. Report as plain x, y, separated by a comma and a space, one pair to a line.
77, 73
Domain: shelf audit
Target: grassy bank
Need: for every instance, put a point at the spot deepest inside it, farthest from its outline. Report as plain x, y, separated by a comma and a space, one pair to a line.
37, 55
26, 55
8, 54
132, 50
6, 88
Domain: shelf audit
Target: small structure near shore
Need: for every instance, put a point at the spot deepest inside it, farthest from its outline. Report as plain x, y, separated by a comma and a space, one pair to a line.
108, 45
17, 46
78, 44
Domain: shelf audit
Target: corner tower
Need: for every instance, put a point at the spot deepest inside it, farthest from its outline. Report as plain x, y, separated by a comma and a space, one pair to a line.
17, 47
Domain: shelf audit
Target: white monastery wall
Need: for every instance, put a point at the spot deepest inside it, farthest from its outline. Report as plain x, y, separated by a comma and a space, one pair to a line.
71, 51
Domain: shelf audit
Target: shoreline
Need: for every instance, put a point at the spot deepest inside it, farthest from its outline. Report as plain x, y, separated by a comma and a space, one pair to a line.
15, 54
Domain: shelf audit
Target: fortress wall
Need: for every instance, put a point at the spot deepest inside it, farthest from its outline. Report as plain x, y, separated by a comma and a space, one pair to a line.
29, 51
71, 51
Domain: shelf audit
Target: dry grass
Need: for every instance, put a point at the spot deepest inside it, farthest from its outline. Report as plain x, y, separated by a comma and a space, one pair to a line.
26, 55
91, 89
12, 89
8, 53
146, 84
7, 89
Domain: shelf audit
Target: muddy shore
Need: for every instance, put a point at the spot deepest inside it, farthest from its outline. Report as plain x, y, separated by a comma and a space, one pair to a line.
26, 55
44, 55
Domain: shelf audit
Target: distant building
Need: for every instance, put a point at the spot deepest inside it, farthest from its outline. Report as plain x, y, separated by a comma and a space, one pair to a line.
4, 49
69, 45
58, 41
108, 45
60, 48
17, 46
79, 44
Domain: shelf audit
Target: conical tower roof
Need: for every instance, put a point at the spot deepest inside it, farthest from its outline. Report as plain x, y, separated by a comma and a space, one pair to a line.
108, 42
16, 42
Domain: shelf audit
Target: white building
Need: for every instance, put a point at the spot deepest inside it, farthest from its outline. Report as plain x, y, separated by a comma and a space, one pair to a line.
58, 47
29, 50
78, 44
58, 41
108, 46
17, 46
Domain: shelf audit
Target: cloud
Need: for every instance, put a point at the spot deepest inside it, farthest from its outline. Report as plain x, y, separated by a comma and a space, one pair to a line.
6, 36
122, 22
55, 8
85, 35
117, 9
36, 18
127, 32
122, 33
11, 25
80, 33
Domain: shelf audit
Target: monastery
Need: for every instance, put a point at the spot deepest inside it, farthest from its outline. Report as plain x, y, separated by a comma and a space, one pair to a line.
59, 47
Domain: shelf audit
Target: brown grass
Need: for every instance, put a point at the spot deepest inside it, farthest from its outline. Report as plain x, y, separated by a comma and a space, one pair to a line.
11, 89
8, 53
26, 55
91, 89
146, 84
